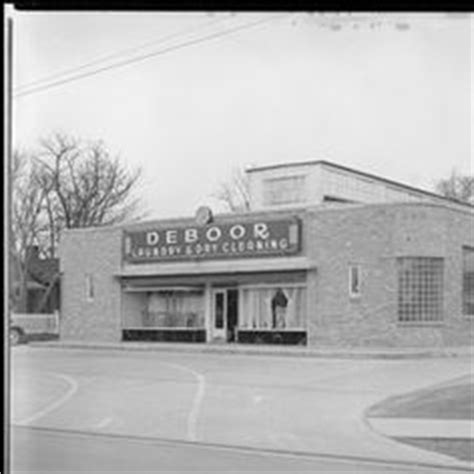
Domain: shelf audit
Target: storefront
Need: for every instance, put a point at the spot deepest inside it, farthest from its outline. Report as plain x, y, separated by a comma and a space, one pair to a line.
395, 274
184, 299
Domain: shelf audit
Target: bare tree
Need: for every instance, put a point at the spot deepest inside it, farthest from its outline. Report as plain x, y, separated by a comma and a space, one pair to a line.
27, 201
67, 183
457, 186
88, 186
235, 193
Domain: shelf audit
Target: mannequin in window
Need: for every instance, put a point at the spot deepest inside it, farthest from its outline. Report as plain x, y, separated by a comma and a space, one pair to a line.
279, 304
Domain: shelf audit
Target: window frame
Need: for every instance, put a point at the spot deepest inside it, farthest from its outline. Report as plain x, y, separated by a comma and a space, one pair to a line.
417, 280
274, 286
89, 286
358, 268
268, 193
465, 314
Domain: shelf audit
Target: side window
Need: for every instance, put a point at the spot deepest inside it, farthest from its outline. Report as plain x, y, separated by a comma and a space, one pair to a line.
285, 190
89, 287
354, 281
468, 282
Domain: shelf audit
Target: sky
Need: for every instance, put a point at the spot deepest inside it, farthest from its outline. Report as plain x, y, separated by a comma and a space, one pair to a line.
371, 95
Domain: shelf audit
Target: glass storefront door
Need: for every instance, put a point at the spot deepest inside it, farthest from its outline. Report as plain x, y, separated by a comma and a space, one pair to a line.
219, 326
225, 314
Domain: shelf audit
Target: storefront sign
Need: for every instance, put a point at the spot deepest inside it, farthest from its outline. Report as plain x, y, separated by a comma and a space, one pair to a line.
236, 240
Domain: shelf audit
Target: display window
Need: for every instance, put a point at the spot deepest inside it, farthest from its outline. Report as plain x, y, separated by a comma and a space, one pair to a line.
276, 307
163, 310
173, 309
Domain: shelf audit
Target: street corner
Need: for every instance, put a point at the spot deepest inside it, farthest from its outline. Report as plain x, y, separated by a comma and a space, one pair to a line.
437, 419
441, 447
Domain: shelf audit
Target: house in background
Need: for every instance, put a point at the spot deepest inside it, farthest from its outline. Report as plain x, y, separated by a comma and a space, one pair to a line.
42, 284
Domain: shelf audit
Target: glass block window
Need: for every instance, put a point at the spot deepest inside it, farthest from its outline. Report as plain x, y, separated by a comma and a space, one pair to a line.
420, 289
285, 190
468, 282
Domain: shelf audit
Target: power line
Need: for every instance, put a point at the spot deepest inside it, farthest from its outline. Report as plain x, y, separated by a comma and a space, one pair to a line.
149, 55
102, 59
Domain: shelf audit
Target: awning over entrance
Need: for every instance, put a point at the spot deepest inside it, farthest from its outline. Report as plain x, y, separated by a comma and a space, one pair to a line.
136, 287
220, 266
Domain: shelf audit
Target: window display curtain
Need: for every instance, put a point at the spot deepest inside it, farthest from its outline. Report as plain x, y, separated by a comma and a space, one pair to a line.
256, 312
176, 309
190, 309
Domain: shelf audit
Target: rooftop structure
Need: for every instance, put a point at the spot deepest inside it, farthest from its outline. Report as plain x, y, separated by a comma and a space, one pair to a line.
315, 182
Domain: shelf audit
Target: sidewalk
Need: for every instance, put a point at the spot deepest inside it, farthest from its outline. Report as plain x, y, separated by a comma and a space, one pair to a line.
437, 418
267, 350
453, 438
423, 428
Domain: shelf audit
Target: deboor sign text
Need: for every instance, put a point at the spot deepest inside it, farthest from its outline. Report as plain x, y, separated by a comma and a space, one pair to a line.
246, 239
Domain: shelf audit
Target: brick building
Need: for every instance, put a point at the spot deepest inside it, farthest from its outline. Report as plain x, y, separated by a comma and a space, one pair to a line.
327, 256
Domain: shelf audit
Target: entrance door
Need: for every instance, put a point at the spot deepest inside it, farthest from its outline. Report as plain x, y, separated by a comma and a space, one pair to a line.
225, 314
232, 314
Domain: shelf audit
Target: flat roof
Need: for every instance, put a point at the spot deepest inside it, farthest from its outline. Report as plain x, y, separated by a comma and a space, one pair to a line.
251, 216
360, 173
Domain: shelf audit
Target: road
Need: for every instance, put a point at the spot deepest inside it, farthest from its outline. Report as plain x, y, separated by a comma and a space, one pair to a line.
50, 450
110, 401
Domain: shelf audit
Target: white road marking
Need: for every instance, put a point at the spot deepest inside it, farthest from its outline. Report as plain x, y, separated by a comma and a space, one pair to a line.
198, 397
73, 386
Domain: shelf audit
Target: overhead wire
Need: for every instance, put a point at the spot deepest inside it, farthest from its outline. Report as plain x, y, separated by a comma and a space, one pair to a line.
122, 52
150, 55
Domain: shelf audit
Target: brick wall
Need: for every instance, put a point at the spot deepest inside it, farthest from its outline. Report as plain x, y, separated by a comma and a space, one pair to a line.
333, 238
133, 305
95, 252
373, 237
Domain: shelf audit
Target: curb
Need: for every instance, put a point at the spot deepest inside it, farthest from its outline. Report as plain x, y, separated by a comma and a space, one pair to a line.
260, 351
399, 437
454, 466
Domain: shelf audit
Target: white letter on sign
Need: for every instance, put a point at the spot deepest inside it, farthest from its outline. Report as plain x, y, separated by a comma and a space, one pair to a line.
171, 236
152, 238
260, 231
213, 234
237, 231
190, 236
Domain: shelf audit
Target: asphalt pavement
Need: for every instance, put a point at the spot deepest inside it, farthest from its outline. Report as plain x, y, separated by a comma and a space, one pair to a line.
292, 405
45, 451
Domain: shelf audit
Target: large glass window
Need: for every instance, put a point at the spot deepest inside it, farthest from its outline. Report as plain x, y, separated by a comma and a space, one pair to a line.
273, 308
420, 289
285, 190
468, 282
174, 309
